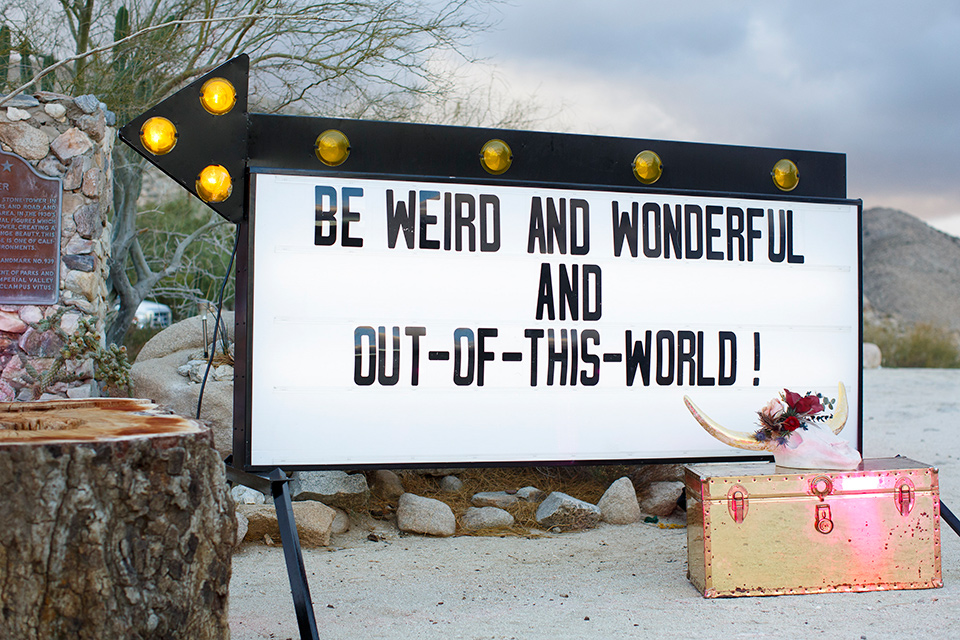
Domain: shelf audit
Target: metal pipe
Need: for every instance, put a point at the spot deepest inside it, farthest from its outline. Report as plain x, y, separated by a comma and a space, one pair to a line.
206, 354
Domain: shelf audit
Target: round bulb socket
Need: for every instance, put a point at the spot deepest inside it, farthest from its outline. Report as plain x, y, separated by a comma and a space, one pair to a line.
647, 167
496, 157
332, 147
785, 175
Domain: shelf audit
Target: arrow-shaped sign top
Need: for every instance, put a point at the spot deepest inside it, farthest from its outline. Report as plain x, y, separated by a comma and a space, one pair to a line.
198, 136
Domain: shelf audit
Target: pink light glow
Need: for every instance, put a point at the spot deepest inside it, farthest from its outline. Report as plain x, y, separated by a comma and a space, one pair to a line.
860, 483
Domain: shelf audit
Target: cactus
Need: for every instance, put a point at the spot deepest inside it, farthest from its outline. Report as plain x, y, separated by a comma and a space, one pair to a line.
26, 68
111, 366
46, 82
4, 57
121, 55
121, 26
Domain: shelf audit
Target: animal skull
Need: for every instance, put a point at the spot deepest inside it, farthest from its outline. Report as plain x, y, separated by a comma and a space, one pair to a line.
817, 447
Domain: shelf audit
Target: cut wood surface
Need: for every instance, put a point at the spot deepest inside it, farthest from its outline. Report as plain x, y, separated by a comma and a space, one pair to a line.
117, 523
87, 420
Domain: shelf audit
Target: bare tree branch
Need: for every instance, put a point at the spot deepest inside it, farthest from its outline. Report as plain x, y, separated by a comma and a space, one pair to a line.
133, 36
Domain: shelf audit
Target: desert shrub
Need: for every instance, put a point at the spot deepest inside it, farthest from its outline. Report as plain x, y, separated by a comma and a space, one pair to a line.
922, 345
136, 338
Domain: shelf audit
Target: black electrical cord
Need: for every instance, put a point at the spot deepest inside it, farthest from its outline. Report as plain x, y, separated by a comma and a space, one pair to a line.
216, 326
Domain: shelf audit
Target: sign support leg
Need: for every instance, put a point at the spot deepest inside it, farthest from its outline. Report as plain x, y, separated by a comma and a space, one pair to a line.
947, 516
293, 556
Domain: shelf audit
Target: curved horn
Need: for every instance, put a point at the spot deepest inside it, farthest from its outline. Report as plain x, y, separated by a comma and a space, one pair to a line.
738, 439
839, 418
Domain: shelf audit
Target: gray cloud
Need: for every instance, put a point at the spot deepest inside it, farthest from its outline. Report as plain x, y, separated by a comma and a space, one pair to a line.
879, 81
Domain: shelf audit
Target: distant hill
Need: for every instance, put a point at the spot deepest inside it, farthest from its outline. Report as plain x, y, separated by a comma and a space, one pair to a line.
911, 271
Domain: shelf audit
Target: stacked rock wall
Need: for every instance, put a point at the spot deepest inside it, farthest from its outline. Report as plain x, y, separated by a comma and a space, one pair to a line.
71, 139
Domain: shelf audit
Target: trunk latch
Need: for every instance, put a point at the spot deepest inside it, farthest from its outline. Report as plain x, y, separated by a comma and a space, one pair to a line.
737, 503
823, 524
905, 496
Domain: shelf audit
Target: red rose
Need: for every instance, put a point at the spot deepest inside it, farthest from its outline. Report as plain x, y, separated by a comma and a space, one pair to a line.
790, 424
808, 404
791, 398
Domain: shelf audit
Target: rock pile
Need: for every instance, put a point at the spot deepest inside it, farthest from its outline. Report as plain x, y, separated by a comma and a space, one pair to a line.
196, 366
416, 514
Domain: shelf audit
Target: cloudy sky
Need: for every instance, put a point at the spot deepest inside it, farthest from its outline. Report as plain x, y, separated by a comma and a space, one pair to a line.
879, 81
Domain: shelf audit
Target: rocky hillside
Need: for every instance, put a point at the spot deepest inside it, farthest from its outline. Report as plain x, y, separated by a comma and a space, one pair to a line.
911, 271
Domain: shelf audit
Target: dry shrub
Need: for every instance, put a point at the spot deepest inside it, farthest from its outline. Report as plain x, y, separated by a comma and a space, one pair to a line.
137, 337
922, 345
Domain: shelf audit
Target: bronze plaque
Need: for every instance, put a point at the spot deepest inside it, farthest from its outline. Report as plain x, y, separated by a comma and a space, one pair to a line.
29, 234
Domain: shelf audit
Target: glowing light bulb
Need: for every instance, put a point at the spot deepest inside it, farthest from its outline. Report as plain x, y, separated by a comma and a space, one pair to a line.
158, 136
218, 96
214, 184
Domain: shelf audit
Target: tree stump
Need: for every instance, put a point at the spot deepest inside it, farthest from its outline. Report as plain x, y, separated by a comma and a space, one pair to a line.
115, 523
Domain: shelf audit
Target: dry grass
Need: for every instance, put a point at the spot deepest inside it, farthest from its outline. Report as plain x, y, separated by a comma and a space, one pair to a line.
584, 483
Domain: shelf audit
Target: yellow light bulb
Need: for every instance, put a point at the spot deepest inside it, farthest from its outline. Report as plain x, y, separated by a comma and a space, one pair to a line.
332, 147
785, 175
218, 96
496, 156
214, 184
647, 167
158, 136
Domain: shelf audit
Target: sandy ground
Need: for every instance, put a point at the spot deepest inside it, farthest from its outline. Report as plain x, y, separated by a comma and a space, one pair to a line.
613, 581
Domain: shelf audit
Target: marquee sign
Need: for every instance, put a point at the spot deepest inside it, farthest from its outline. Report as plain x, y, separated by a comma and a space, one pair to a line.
424, 295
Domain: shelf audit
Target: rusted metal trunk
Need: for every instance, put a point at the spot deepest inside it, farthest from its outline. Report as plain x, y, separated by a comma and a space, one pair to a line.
759, 529
116, 523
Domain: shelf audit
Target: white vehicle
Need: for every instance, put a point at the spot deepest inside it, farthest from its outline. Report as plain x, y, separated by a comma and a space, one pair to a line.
153, 315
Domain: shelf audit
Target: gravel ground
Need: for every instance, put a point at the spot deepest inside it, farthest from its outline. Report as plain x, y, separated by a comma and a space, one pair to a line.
613, 581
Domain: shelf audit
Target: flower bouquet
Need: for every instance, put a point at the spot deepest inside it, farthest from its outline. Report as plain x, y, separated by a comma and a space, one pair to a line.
782, 416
